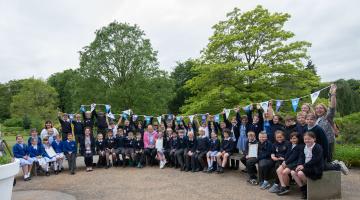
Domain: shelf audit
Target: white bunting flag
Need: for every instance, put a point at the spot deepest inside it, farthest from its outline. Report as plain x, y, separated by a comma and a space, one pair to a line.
314, 96
127, 112
110, 115
159, 119
92, 107
191, 117
227, 112
265, 105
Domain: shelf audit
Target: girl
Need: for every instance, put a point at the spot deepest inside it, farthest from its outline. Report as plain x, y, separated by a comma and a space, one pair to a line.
21, 153
49, 158
280, 148
226, 148
257, 121
160, 147
102, 126
290, 126
213, 151
57, 145
264, 160
36, 152
110, 145
150, 137
138, 155
306, 108
87, 148
310, 163
129, 148
243, 129
250, 162
34, 135
70, 150
100, 149
189, 154
275, 124
289, 163
88, 119
301, 125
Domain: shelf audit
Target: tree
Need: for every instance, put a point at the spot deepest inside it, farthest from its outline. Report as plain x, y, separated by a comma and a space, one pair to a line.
182, 73
7, 91
347, 99
121, 68
249, 58
35, 99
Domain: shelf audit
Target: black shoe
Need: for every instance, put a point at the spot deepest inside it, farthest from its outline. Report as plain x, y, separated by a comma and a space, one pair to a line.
47, 173
197, 170
283, 191
56, 172
72, 173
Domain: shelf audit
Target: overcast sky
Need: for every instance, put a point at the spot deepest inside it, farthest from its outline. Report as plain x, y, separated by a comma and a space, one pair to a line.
38, 38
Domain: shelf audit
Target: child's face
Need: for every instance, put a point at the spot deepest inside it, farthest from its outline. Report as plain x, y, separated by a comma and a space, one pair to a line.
88, 115
191, 135
276, 119
244, 120
289, 122
161, 134
233, 121
279, 138
174, 135
109, 134
305, 108
87, 132
100, 137
46, 142
69, 137
130, 135
138, 137
19, 139
222, 125
309, 140
226, 135
255, 119
213, 135
127, 122
251, 137
262, 138
201, 132
58, 138
310, 121
78, 117
50, 131
169, 131
33, 142
294, 140
120, 132
65, 117
301, 119
34, 134
181, 134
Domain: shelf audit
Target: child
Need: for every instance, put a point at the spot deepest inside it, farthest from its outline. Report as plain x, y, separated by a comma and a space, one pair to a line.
264, 160
88, 119
21, 153
290, 126
49, 158
181, 149
257, 121
213, 151
36, 152
57, 145
160, 147
173, 142
301, 125
279, 150
201, 149
275, 124
120, 140
128, 148
101, 123
250, 162
189, 154
110, 145
100, 149
78, 128
65, 125
87, 148
290, 163
138, 155
34, 135
244, 127
321, 138
70, 149
226, 148
310, 163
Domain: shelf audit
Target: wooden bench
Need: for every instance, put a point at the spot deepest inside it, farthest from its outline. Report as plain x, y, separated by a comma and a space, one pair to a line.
235, 157
328, 187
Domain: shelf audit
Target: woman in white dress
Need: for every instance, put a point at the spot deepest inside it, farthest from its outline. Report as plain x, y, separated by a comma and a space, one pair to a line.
49, 131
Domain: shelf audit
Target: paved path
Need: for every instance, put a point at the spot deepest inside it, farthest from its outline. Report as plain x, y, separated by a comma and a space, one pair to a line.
153, 183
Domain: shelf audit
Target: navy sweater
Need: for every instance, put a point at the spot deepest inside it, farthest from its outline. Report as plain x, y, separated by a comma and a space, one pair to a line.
39, 151
69, 146
280, 149
227, 145
100, 145
138, 145
182, 143
65, 126
214, 145
192, 145
202, 144
264, 150
292, 156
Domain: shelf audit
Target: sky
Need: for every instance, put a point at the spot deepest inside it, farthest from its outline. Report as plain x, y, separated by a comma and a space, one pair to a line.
39, 38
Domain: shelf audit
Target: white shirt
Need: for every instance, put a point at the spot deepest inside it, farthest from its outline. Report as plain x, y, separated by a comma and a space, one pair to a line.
308, 152
159, 144
45, 133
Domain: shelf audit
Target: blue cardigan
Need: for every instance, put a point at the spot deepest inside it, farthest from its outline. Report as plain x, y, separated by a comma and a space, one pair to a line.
36, 152
20, 152
69, 146
58, 147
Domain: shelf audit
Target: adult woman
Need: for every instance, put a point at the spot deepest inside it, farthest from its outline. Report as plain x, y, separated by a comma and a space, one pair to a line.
87, 148
49, 131
325, 119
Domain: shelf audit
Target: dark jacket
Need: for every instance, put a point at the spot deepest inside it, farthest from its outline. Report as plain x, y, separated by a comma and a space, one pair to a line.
214, 145
58, 147
138, 145
264, 150
100, 121
227, 145
69, 146
292, 156
20, 151
321, 139
120, 141
100, 146
256, 127
280, 149
202, 144
78, 127
82, 145
39, 151
65, 126
88, 122
288, 130
182, 143
110, 143
191, 145
173, 142
315, 165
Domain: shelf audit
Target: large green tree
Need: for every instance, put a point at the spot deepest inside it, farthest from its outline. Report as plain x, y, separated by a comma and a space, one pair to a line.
120, 67
250, 58
7, 91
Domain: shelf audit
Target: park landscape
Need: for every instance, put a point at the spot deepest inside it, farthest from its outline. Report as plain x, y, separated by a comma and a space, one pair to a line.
250, 58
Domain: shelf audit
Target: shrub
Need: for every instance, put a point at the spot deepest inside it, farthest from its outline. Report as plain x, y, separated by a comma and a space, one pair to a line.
26, 122
13, 122
350, 154
5, 159
349, 128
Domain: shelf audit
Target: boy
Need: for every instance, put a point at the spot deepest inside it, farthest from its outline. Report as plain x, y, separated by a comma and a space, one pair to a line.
128, 148
173, 142
250, 162
201, 149
189, 154
21, 153
138, 155
301, 125
181, 149
290, 126
100, 149
226, 149
120, 140
70, 149
65, 125
101, 123
110, 146
264, 160
78, 128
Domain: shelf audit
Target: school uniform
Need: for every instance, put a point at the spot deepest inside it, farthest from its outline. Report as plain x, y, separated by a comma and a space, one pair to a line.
39, 142
312, 160
256, 127
138, 155
321, 139
111, 147
201, 150
20, 151
65, 128
101, 123
58, 148
292, 156
87, 149
214, 147
227, 145
180, 149
243, 130
48, 158
250, 163
100, 149
265, 163
129, 147
274, 128
280, 150
120, 147
300, 129
70, 149
88, 122
288, 130
191, 147
78, 130
36, 152
173, 142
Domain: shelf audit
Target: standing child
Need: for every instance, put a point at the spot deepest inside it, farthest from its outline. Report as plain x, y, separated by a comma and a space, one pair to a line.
310, 163
264, 160
256, 121
100, 149
160, 147
201, 150
290, 126
110, 146
21, 153
138, 155
213, 151
189, 154
70, 150
280, 148
57, 145
248, 161
244, 127
87, 148
78, 128
290, 163
226, 148
101, 123
65, 125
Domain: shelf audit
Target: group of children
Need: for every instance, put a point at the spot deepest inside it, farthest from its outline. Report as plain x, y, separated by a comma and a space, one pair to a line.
295, 150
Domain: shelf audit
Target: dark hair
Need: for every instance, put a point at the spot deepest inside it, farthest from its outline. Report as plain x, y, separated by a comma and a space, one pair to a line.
33, 130
48, 122
280, 132
294, 134
88, 127
289, 117
226, 130
310, 134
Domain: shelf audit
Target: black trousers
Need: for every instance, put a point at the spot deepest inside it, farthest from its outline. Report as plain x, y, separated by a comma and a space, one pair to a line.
179, 153
88, 159
71, 161
150, 155
250, 164
200, 159
190, 161
138, 157
172, 158
265, 169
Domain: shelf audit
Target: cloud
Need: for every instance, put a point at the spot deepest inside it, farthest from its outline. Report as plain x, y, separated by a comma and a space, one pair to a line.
39, 38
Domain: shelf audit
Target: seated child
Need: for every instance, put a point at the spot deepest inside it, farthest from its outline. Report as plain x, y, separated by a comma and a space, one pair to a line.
160, 148
128, 148
290, 163
173, 145
70, 149
36, 152
280, 148
189, 153
21, 153
264, 160
250, 162
181, 149
226, 148
57, 145
201, 151
100, 149
138, 155
310, 163
50, 159
214, 148
110, 146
